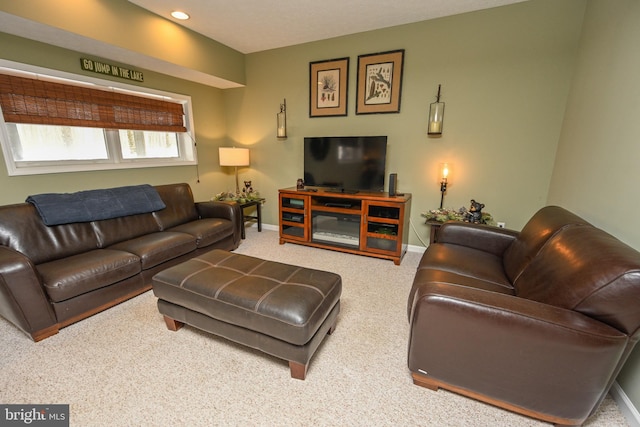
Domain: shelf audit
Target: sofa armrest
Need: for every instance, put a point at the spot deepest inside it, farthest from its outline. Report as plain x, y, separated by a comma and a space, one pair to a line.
226, 210
23, 300
508, 349
477, 236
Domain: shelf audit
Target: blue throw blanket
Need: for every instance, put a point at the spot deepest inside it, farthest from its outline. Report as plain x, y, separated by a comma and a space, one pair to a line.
94, 205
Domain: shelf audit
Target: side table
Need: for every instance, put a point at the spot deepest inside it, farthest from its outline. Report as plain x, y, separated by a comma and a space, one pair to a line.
435, 226
258, 216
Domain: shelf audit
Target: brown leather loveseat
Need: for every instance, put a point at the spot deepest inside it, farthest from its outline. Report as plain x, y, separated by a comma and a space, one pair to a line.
52, 276
539, 322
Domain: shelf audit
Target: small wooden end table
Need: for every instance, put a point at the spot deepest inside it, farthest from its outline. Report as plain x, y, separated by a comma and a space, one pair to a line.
435, 226
258, 216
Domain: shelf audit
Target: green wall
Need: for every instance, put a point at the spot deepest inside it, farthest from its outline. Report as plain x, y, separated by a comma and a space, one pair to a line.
505, 76
596, 173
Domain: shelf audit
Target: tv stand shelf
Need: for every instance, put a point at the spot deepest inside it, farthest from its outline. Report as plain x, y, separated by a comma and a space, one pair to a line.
372, 224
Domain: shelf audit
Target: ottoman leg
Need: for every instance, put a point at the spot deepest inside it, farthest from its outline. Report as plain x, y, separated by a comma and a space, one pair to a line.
332, 328
172, 325
298, 370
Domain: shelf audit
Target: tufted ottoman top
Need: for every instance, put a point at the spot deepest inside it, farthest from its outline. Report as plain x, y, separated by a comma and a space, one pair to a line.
280, 300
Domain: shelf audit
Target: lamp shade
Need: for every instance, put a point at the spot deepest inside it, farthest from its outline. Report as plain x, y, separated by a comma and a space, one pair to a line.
233, 156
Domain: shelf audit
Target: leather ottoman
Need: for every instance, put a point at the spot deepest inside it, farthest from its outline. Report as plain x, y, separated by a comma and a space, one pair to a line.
280, 309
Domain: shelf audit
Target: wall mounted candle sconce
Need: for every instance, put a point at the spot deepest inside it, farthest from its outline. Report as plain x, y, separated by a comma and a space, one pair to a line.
282, 121
436, 116
444, 177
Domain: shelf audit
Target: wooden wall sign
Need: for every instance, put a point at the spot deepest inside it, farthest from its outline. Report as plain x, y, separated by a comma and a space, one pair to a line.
111, 70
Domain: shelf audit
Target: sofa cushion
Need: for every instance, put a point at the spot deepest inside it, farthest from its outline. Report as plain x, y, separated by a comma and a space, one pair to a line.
75, 275
542, 225
155, 248
207, 231
466, 262
22, 229
180, 206
461, 266
587, 270
116, 230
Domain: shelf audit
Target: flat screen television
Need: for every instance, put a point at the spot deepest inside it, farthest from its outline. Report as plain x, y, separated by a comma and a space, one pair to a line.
345, 163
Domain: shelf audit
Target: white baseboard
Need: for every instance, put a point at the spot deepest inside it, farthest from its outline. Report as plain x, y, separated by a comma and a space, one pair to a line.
414, 248
629, 411
267, 226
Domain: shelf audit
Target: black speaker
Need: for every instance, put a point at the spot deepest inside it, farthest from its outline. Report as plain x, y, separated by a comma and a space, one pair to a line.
393, 184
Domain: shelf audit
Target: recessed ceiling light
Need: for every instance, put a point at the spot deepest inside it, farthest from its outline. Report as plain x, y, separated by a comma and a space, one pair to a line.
179, 15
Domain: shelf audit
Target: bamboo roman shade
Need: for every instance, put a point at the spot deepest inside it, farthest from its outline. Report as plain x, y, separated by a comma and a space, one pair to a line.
26, 100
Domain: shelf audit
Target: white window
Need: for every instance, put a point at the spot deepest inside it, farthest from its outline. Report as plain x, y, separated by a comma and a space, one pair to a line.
42, 148
137, 144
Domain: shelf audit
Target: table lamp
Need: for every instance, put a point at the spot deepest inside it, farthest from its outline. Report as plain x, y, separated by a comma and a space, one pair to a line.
231, 156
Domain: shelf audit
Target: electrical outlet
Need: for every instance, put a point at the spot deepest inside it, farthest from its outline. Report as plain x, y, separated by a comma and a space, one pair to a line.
501, 224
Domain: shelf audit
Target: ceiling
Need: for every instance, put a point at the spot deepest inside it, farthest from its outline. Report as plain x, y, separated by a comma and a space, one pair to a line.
255, 25
250, 26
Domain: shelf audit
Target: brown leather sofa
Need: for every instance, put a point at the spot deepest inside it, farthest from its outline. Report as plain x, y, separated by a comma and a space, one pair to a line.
539, 322
52, 276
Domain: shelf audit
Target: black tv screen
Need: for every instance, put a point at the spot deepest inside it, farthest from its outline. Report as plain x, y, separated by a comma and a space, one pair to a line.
345, 163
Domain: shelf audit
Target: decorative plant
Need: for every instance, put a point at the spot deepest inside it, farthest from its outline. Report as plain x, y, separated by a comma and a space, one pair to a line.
448, 214
242, 197
445, 214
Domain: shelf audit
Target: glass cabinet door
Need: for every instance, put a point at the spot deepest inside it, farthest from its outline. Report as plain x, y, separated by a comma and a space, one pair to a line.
293, 217
382, 228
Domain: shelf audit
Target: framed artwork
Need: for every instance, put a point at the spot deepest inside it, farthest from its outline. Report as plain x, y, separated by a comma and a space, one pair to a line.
379, 82
328, 82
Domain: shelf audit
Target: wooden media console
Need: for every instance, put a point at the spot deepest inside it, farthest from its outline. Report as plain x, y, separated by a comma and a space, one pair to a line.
363, 223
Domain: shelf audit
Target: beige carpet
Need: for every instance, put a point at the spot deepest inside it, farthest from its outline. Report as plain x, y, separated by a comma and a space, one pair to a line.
123, 367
